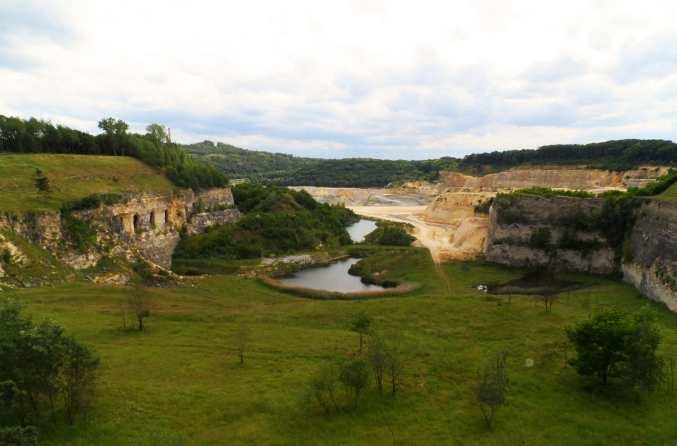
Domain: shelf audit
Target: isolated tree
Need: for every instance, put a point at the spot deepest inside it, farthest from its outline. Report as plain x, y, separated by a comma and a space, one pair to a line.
394, 364
492, 388
613, 346
242, 340
41, 181
158, 133
139, 306
548, 299
361, 324
355, 377
378, 358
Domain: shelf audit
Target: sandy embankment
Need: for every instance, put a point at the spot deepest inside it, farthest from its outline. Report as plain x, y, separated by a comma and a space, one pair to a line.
445, 224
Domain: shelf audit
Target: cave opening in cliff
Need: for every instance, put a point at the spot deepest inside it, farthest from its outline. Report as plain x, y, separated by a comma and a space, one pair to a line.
166, 217
153, 220
136, 222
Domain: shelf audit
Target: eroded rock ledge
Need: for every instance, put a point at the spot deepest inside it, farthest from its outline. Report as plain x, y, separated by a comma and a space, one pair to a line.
138, 227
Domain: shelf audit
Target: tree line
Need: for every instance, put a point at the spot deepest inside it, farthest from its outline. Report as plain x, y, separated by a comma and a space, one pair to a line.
611, 155
154, 148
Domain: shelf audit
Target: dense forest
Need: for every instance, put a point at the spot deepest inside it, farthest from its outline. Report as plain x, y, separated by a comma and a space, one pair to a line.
612, 155
276, 220
282, 169
288, 170
153, 148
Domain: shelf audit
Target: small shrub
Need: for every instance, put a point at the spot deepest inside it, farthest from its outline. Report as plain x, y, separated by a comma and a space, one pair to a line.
492, 388
354, 376
361, 324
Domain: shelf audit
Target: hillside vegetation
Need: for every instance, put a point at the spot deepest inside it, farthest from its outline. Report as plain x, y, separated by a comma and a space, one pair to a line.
610, 155
153, 148
180, 382
276, 220
70, 178
287, 170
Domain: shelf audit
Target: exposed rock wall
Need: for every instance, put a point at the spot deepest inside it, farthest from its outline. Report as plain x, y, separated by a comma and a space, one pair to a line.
562, 177
652, 266
143, 226
518, 225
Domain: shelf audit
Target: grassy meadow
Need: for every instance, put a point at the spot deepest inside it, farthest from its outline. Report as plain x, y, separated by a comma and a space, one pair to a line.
71, 177
180, 382
670, 194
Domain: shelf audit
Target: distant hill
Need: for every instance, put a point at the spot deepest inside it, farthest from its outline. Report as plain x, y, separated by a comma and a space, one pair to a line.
618, 155
288, 170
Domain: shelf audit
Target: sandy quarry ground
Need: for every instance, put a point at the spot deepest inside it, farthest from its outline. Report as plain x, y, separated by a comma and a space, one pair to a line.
445, 242
449, 230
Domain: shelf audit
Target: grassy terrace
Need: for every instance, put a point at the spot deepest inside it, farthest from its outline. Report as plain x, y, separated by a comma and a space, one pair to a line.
180, 382
670, 194
71, 177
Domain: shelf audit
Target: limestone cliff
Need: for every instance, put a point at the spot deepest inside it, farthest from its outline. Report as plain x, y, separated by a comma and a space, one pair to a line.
529, 230
138, 227
561, 177
652, 261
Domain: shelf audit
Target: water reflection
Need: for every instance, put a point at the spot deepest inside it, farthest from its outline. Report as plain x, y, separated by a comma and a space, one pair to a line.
360, 229
334, 277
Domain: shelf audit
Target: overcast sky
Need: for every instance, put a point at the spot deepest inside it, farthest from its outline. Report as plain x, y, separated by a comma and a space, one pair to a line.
389, 79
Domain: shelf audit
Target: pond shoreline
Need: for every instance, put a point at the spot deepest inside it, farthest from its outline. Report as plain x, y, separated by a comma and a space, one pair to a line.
314, 293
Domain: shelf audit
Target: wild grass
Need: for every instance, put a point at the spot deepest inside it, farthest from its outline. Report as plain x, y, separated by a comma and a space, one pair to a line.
71, 177
180, 382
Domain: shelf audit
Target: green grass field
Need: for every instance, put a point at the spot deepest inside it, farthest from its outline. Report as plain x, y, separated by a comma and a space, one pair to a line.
71, 177
670, 194
180, 382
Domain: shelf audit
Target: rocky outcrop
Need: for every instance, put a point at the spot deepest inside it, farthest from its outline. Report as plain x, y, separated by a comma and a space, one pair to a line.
527, 230
139, 226
651, 264
557, 177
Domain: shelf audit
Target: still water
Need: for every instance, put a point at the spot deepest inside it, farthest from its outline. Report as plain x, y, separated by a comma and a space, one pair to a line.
360, 229
334, 277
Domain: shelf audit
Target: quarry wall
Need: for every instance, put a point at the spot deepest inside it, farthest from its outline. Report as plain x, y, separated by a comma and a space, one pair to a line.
140, 226
527, 230
564, 177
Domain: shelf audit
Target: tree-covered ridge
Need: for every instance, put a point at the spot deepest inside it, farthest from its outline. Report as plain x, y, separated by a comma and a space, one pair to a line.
153, 148
276, 220
288, 170
612, 155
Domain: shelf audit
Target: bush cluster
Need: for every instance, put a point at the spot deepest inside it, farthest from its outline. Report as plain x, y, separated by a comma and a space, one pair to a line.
42, 371
276, 221
389, 233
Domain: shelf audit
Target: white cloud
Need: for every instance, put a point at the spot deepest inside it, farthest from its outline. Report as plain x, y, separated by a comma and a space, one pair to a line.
372, 78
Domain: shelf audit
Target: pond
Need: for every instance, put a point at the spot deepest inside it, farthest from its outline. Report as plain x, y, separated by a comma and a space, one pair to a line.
360, 229
334, 277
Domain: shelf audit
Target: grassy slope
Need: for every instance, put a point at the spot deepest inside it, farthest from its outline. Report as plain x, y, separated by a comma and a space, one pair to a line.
669, 195
179, 382
71, 177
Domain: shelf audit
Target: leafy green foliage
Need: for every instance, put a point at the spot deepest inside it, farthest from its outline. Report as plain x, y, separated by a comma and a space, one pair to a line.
80, 233
613, 155
93, 201
548, 192
389, 233
39, 366
288, 170
612, 346
276, 221
354, 375
36, 136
